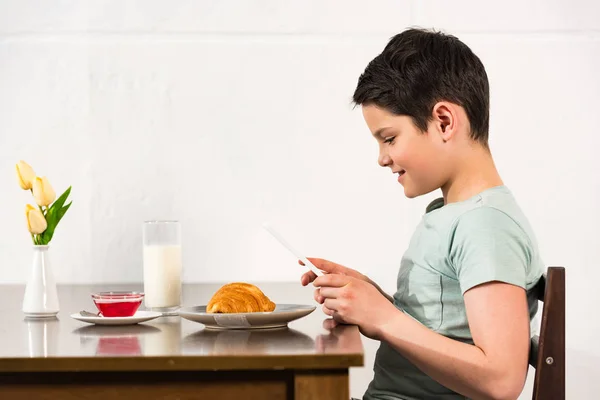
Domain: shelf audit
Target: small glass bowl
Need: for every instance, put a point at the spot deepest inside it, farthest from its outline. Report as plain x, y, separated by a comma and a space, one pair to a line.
117, 304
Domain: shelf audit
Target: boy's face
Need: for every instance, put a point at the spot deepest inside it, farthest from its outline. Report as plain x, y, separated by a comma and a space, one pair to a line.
415, 157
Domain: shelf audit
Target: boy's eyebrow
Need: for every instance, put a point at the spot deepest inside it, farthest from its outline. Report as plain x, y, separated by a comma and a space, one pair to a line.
381, 130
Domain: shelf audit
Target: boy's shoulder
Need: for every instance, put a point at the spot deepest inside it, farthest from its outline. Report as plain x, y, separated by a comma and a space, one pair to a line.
483, 237
495, 209
493, 201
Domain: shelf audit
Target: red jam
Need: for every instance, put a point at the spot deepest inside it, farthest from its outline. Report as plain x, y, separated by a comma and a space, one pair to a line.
117, 304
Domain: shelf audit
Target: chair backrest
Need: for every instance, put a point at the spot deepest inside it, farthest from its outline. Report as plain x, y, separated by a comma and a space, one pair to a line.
547, 354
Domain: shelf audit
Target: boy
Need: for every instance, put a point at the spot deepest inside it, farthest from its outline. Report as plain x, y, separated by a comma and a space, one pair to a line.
458, 325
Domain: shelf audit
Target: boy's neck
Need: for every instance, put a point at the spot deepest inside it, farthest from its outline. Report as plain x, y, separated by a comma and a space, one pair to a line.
475, 173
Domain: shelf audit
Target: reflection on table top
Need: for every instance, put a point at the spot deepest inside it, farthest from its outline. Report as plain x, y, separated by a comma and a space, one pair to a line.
169, 343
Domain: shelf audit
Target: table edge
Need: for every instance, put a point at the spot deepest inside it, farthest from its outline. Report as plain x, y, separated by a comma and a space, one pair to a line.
185, 363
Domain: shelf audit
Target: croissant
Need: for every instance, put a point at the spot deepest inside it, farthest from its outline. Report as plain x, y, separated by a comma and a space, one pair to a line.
239, 297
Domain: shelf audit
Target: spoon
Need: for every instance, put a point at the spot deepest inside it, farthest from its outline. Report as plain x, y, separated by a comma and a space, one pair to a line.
89, 314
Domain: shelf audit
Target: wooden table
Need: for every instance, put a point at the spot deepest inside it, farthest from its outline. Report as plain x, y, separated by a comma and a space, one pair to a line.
170, 357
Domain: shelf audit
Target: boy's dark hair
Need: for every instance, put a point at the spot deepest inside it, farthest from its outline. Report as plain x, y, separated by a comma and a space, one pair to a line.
417, 69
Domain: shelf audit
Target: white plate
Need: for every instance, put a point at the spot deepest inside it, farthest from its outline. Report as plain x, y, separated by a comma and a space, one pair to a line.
280, 317
140, 316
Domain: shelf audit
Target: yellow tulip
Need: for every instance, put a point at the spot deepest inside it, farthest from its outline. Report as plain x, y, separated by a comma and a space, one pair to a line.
25, 175
36, 223
43, 192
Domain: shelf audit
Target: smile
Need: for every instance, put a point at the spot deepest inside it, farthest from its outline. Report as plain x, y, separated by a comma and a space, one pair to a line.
401, 175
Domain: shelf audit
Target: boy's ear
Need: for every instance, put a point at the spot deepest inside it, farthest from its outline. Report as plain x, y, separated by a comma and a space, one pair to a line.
445, 119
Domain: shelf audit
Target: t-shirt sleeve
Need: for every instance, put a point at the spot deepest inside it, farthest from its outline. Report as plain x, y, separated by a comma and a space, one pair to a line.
487, 245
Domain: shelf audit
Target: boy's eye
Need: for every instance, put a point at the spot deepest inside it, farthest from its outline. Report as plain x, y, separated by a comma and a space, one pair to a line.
389, 140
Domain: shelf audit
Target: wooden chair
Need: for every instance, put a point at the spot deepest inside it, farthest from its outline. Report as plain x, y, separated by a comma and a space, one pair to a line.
547, 354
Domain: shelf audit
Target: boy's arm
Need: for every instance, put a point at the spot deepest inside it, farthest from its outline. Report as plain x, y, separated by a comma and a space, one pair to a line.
495, 367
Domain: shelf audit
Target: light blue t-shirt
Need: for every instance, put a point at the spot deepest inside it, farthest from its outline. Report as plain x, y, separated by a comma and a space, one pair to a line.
455, 247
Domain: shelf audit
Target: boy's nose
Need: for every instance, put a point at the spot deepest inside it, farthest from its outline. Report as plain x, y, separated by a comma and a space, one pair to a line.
384, 160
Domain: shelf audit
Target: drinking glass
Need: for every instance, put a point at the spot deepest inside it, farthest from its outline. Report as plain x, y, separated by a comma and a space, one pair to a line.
162, 266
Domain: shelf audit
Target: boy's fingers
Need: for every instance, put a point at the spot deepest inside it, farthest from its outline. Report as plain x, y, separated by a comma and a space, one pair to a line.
318, 298
333, 280
307, 278
323, 265
328, 311
326, 265
332, 305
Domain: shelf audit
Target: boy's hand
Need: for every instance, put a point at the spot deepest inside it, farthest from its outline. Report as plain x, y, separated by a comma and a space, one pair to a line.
354, 301
329, 268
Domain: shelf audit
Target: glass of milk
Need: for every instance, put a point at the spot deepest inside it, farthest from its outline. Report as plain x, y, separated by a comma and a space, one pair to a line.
162, 266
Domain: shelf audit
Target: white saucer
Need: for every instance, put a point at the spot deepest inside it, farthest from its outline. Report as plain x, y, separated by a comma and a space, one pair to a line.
140, 316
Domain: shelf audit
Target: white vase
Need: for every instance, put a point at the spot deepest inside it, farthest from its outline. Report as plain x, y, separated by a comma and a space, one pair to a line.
41, 299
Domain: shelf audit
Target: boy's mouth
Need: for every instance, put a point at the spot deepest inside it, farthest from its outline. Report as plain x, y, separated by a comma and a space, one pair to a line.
400, 174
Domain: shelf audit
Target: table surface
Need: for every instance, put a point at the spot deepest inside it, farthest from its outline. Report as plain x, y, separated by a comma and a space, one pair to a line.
169, 343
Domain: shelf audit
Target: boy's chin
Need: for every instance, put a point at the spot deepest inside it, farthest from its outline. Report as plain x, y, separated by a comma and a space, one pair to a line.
412, 195
412, 192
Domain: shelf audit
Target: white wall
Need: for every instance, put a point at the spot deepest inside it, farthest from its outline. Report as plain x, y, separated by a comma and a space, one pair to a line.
224, 114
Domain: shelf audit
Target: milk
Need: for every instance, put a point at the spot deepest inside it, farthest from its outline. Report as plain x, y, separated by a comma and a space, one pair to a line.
162, 276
